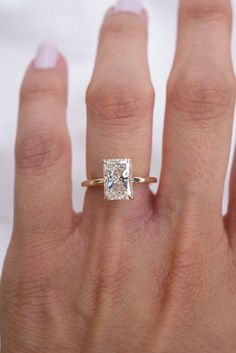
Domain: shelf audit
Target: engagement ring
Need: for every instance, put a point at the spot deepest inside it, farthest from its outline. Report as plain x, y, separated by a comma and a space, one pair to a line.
118, 180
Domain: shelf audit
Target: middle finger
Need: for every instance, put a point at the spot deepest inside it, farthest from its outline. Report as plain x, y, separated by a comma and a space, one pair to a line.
199, 111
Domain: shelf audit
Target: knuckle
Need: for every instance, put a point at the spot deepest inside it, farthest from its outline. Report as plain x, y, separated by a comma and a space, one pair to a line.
40, 151
186, 275
208, 12
48, 86
27, 296
112, 284
202, 96
30, 285
127, 28
119, 106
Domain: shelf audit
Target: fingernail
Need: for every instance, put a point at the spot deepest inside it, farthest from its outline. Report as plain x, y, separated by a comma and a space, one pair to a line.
47, 56
134, 6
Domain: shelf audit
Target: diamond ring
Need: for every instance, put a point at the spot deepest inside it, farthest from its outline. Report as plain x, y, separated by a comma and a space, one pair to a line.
118, 180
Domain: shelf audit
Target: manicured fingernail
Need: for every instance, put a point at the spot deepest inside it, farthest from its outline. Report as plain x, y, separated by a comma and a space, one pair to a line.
134, 6
47, 56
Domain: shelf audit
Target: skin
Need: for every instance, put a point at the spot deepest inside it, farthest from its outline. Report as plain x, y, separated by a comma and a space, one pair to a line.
156, 274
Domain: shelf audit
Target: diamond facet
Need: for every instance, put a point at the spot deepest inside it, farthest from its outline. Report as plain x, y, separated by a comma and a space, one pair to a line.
117, 179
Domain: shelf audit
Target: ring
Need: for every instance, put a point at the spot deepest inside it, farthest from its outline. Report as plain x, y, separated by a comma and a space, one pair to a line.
118, 180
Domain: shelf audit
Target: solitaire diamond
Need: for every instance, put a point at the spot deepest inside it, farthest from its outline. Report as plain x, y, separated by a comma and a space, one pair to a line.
117, 179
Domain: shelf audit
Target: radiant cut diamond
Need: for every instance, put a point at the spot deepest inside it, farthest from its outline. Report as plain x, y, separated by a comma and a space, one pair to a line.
117, 179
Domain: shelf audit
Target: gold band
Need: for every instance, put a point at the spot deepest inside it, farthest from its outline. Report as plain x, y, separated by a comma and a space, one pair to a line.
99, 182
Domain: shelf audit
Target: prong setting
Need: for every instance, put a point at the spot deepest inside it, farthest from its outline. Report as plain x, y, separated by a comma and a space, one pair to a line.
118, 183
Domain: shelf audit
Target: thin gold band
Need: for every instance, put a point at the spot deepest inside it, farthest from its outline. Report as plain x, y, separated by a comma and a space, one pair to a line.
98, 182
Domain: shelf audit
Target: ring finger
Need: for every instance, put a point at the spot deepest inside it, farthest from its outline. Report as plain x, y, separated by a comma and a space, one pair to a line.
120, 98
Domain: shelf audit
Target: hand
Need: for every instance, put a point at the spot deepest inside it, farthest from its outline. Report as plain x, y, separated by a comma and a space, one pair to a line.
156, 274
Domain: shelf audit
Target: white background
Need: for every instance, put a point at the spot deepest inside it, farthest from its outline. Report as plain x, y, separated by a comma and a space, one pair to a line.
74, 26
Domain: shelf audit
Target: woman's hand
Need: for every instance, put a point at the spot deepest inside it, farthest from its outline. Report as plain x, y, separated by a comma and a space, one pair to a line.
152, 275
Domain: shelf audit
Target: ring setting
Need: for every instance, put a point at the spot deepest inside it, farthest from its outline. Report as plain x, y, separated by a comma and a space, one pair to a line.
118, 179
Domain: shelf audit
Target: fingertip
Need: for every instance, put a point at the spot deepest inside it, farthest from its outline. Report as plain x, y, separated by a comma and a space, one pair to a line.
62, 63
47, 72
47, 58
133, 6
113, 11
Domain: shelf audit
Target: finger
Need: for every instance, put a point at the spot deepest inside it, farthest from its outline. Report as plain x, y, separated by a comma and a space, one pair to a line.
120, 95
199, 114
43, 179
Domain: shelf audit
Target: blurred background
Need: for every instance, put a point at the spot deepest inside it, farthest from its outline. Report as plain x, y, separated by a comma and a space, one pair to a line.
73, 25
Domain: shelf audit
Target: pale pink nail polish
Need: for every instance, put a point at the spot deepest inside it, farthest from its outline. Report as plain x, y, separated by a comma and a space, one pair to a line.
134, 6
47, 56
